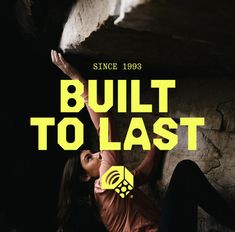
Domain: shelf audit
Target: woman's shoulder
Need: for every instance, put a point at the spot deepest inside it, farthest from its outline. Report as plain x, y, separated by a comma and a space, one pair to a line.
97, 186
103, 194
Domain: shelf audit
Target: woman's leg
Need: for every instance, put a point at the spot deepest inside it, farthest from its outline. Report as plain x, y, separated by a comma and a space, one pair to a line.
187, 190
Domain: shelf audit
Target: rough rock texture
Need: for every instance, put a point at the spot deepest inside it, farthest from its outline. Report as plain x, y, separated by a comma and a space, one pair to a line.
23, 14
216, 141
204, 88
84, 18
216, 150
87, 16
78, 18
193, 42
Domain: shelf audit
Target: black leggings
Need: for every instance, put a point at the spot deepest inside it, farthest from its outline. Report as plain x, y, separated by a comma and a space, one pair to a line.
187, 190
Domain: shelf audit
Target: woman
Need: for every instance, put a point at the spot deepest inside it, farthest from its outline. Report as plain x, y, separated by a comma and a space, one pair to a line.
81, 189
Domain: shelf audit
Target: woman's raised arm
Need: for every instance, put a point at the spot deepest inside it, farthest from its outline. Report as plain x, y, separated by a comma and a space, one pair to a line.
74, 74
109, 158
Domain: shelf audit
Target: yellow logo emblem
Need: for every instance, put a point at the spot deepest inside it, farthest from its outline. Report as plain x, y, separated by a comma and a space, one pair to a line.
118, 178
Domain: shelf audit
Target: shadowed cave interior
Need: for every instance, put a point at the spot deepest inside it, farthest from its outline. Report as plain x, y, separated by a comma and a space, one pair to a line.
189, 41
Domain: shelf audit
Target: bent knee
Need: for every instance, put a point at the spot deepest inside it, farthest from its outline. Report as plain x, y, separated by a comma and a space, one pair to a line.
186, 164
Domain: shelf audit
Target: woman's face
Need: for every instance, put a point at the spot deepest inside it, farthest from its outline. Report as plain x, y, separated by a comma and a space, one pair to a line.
91, 163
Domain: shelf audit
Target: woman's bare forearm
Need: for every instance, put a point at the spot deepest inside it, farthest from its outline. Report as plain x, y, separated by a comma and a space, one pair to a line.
74, 74
151, 162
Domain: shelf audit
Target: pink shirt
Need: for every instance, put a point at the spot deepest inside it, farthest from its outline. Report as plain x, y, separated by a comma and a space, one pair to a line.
130, 214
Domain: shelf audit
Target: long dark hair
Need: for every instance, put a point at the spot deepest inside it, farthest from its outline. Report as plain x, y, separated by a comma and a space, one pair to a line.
77, 209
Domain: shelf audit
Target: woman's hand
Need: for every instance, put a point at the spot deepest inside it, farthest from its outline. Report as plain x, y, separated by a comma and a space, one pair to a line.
62, 64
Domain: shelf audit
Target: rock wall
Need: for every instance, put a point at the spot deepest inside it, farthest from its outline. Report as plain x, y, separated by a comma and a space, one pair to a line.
197, 44
87, 16
213, 99
68, 22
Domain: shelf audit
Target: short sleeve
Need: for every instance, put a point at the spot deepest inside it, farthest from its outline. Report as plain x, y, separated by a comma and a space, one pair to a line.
109, 158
